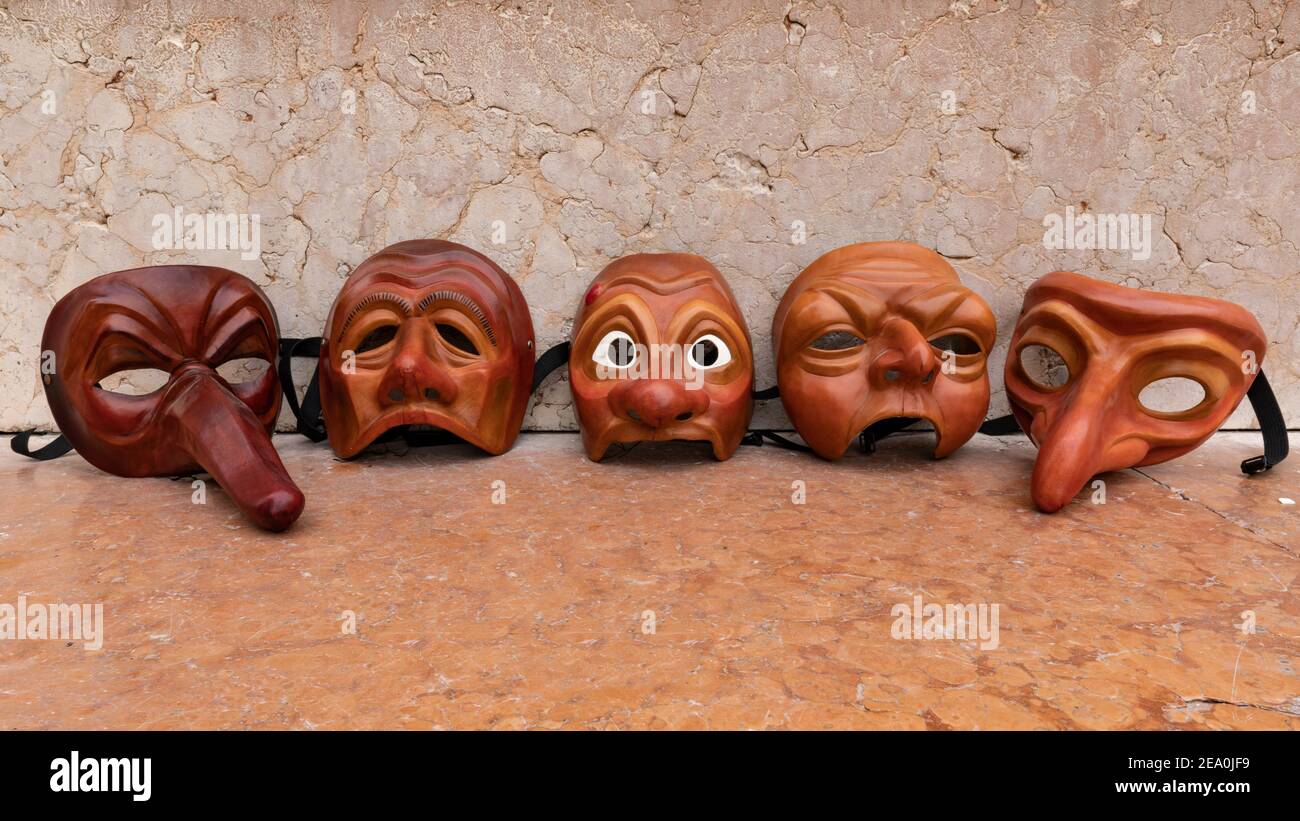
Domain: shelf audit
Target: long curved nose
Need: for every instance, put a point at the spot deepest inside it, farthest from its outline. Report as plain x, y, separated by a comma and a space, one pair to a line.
221, 433
906, 358
1077, 444
414, 376
657, 403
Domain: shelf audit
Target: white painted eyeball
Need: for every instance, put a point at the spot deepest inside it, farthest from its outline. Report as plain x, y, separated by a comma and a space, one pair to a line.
615, 350
709, 352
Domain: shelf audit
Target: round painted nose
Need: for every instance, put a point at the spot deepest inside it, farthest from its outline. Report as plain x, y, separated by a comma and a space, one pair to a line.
657, 403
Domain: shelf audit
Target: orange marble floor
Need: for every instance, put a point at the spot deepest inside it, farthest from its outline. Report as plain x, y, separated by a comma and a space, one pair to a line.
660, 589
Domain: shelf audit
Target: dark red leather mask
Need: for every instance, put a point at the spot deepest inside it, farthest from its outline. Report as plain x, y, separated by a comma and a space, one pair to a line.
1111, 342
882, 332
426, 333
660, 351
185, 320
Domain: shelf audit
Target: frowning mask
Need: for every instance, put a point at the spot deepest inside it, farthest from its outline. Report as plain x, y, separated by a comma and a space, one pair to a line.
1112, 343
882, 331
426, 333
660, 352
185, 320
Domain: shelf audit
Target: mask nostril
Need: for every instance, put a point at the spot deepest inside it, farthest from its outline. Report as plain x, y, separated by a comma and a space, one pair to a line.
634, 416
396, 395
929, 376
682, 417
431, 394
891, 375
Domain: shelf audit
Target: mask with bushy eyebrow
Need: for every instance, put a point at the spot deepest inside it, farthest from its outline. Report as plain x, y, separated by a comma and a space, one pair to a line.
660, 352
183, 322
1105, 347
882, 331
426, 335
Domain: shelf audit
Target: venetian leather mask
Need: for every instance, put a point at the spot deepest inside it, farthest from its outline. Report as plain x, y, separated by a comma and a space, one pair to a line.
185, 320
426, 334
1113, 342
877, 332
660, 352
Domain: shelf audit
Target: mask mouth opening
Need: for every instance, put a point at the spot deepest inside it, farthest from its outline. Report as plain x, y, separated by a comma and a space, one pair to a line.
662, 448
873, 433
418, 436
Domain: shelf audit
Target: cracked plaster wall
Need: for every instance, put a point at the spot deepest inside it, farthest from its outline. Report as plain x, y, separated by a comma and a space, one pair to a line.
763, 113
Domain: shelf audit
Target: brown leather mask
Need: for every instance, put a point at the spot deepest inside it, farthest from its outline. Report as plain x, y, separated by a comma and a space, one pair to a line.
660, 352
872, 333
1115, 341
185, 320
427, 333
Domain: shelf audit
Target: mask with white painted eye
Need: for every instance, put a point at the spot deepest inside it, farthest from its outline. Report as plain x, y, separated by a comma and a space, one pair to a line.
708, 352
615, 350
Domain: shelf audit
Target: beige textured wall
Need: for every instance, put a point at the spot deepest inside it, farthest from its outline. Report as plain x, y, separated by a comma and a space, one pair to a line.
955, 125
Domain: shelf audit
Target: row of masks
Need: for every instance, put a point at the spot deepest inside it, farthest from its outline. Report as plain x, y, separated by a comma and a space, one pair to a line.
432, 341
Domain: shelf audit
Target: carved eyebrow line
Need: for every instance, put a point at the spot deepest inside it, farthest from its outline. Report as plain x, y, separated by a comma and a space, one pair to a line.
457, 296
371, 299
685, 282
952, 304
162, 342
177, 337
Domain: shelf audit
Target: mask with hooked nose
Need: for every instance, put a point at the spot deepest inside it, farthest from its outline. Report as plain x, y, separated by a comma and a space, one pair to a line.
882, 331
660, 352
185, 320
426, 333
1114, 343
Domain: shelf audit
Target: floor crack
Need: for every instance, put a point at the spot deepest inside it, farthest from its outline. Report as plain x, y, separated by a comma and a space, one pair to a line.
1285, 709
1243, 525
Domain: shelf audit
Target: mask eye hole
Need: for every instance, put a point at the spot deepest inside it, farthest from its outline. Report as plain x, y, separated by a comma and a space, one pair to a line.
837, 341
960, 344
615, 350
1172, 395
1044, 367
244, 369
134, 381
709, 352
456, 338
377, 338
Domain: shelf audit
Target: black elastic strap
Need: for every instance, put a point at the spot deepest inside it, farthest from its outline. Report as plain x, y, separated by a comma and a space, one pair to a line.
51, 450
1271, 425
768, 393
756, 437
308, 414
1000, 426
554, 357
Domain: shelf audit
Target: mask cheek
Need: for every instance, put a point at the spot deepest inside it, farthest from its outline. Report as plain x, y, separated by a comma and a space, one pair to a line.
482, 402
596, 416
957, 411
349, 399
823, 408
120, 415
727, 414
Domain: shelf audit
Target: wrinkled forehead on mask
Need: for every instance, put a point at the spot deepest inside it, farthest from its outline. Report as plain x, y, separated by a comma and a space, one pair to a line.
1125, 311
883, 263
892, 273
419, 268
668, 280
162, 304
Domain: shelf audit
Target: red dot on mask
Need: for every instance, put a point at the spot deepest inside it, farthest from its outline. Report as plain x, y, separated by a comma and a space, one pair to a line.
592, 294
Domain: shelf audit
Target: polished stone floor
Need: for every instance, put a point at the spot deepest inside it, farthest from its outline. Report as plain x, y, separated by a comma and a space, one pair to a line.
439, 588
